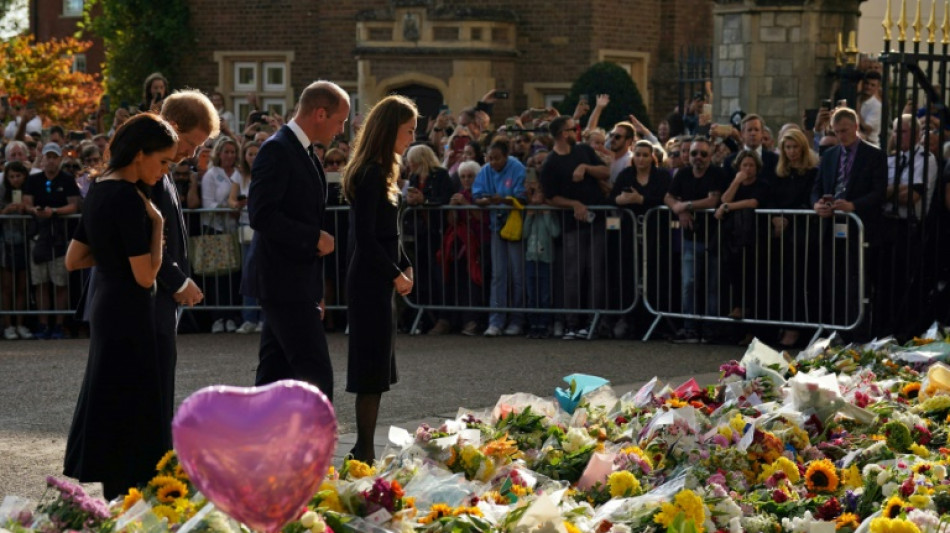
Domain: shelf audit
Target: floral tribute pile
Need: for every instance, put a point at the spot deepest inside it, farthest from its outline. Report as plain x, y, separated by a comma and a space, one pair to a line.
846, 438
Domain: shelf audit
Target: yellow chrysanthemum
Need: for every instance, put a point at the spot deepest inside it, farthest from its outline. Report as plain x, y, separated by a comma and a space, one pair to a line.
437, 511
501, 447
821, 476
892, 507
636, 450
623, 484
163, 462
847, 520
133, 497
883, 524
782, 464
737, 423
330, 497
185, 508
919, 501
686, 502
359, 469
919, 450
171, 491
166, 512
570, 528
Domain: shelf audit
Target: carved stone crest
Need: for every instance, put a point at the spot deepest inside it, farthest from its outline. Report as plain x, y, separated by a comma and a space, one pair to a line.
410, 27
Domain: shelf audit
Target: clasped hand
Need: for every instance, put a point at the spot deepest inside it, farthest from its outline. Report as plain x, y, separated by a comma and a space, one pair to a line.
403, 282
326, 244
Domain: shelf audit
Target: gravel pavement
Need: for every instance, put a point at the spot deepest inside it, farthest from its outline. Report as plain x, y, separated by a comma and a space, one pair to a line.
41, 381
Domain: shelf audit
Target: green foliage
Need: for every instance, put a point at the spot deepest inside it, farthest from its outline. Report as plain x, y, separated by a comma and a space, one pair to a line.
140, 37
608, 78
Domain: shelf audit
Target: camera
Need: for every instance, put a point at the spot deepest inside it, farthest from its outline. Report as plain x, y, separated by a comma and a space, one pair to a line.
242, 197
826, 104
77, 136
501, 94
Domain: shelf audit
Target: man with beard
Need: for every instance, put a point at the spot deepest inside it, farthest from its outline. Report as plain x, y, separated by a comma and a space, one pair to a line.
571, 177
195, 119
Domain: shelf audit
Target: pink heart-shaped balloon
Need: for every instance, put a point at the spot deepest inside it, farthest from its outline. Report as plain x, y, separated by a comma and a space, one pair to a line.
257, 453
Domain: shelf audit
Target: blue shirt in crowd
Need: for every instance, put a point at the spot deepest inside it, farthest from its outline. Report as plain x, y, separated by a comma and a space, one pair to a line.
508, 182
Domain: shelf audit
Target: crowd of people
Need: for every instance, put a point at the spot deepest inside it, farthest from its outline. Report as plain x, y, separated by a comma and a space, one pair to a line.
712, 177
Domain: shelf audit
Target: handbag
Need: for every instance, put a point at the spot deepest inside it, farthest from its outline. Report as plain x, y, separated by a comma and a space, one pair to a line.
513, 227
215, 254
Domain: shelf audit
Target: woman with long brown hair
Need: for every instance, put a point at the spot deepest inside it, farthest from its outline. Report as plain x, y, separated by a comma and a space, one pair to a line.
378, 267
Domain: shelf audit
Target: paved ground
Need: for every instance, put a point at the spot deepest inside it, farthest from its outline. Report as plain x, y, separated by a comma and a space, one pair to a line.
41, 380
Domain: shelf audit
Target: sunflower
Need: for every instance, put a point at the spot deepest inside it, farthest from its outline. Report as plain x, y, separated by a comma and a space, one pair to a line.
821, 476
164, 461
849, 520
437, 511
171, 491
133, 497
181, 474
911, 390
159, 481
892, 508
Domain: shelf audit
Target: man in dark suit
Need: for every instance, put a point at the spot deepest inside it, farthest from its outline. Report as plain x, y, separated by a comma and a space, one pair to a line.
852, 178
195, 119
751, 129
286, 203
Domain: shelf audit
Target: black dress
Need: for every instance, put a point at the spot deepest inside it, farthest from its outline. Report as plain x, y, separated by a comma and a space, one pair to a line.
120, 429
377, 257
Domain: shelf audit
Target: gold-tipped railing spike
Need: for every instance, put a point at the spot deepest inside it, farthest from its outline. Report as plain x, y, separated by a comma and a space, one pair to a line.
945, 28
902, 23
839, 52
852, 51
887, 22
932, 25
917, 24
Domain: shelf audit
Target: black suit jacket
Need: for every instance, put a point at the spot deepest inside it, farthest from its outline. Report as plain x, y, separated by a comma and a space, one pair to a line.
174, 270
867, 184
286, 202
767, 174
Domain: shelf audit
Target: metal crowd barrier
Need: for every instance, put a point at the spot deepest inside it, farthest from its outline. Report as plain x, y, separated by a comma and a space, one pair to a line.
809, 274
593, 269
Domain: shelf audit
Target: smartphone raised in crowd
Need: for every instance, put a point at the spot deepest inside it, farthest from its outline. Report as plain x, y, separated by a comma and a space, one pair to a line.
501, 94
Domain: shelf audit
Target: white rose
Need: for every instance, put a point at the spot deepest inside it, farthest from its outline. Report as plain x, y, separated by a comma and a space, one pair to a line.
883, 477
308, 519
889, 489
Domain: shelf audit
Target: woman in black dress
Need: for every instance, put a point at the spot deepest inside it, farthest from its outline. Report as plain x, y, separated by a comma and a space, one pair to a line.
378, 265
120, 429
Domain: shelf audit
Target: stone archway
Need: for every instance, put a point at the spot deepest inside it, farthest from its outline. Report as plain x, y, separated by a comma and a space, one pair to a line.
427, 100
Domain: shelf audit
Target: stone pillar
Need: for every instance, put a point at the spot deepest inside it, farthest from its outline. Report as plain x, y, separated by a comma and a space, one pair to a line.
776, 57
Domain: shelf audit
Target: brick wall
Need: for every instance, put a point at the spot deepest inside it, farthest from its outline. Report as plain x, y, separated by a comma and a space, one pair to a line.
49, 22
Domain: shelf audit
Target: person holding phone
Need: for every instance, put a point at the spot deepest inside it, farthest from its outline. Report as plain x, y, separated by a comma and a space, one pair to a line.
154, 90
852, 178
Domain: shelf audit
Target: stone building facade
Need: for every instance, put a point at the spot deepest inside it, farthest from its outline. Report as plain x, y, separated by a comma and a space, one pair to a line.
449, 51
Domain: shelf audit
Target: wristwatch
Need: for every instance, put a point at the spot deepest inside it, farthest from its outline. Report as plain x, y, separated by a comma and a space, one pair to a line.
689, 205
53, 210
725, 207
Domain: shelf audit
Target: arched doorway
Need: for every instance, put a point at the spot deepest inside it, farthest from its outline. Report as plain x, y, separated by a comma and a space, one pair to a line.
427, 100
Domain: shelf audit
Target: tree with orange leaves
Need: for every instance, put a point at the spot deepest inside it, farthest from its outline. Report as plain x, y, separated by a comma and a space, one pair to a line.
41, 74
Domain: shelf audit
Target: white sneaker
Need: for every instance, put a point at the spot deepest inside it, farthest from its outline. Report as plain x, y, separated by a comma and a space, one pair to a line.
259, 327
10, 334
218, 326
230, 326
513, 330
24, 332
247, 327
493, 331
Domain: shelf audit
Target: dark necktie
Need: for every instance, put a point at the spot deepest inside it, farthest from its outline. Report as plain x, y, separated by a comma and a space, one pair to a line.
844, 171
313, 156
